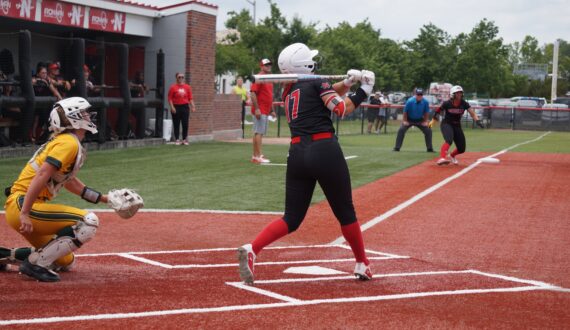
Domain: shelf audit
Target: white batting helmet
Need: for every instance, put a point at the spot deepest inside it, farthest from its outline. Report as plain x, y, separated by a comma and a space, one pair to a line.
455, 89
71, 113
297, 58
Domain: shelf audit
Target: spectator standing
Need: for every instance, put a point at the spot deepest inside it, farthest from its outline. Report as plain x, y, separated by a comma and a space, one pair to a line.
416, 113
262, 102
181, 102
372, 113
242, 92
382, 113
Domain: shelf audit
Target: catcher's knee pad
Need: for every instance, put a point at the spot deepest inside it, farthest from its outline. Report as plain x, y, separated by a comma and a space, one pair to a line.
85, 231
68, 240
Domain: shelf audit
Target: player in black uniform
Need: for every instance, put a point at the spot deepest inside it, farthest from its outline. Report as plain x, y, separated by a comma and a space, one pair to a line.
452, 110
314, 156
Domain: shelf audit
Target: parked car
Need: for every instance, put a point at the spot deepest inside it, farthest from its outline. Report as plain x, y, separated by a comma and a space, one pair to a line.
540, 101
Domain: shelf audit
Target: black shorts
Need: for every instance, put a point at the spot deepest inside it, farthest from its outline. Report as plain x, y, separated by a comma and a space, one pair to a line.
371, 114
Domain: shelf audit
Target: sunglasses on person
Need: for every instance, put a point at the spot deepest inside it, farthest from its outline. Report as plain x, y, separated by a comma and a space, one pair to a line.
180, 77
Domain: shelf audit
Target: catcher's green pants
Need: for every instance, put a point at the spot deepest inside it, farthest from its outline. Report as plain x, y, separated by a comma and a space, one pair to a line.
47, 219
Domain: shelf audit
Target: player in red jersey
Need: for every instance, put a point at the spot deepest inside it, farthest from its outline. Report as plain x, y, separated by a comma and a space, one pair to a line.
314, 156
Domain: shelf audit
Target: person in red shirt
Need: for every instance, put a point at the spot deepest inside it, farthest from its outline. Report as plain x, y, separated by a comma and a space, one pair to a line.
181, 101
261, 100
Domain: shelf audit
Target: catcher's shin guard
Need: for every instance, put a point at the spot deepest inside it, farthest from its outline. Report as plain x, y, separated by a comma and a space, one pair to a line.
68, 240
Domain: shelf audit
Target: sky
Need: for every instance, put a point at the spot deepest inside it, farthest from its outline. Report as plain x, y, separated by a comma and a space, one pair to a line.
400, 20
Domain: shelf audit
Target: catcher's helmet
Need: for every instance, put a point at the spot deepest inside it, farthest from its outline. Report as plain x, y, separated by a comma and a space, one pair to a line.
71, 113
297, 58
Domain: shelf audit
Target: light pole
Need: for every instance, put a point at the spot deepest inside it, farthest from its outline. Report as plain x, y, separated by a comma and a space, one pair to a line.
252, 2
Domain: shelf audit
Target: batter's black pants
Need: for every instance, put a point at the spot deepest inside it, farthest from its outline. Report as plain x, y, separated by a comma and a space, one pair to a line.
454, 134
319, 161
182, 115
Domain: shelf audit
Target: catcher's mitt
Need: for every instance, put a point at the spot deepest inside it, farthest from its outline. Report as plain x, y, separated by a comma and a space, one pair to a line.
126, 202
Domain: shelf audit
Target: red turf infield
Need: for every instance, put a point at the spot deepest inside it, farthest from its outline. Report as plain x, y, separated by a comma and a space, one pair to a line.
509, 219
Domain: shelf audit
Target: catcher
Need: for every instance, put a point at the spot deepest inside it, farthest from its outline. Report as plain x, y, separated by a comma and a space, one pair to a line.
55, 231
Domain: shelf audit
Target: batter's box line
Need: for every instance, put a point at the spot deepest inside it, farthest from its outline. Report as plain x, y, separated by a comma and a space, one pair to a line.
266, 263
321, 246
532, 285
136, 256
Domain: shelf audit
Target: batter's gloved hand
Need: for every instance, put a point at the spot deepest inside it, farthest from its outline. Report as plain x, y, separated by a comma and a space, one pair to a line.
367, 81
479, 123
431, 123
353, 76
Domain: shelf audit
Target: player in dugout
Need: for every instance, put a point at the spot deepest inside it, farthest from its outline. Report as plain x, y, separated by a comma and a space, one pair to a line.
314, 156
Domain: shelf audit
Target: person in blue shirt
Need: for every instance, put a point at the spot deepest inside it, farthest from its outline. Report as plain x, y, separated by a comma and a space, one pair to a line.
416, 113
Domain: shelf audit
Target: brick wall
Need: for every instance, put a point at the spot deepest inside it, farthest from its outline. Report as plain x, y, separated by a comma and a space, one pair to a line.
200, 68
227, 112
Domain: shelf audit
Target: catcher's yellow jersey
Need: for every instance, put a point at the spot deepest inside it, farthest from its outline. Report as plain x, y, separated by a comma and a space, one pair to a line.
62, 151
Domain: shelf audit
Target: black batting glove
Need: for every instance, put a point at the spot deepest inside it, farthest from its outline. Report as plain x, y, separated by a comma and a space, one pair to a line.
479, 123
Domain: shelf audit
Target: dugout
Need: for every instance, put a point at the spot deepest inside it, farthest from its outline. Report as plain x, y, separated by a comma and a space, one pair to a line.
115, 40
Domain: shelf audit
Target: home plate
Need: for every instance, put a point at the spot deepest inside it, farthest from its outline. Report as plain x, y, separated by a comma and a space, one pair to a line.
313, 270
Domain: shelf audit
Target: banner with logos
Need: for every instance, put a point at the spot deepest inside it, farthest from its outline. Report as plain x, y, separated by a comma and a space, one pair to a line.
63, 13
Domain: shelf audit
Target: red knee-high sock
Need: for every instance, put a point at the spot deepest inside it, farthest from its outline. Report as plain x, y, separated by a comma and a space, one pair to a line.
444, 150
454, 153
353, 236
272, 232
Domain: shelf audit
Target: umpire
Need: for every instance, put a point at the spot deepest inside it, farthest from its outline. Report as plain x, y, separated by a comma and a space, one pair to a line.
416, 113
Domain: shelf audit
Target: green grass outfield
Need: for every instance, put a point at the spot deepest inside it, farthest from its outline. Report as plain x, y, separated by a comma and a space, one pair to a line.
217, 175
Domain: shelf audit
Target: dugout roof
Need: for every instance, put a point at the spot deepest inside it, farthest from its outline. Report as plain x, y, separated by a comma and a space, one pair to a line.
117, 16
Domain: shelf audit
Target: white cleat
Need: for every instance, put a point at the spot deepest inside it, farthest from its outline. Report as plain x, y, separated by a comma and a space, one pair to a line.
454, 160
442, 161
246, 259
362, 272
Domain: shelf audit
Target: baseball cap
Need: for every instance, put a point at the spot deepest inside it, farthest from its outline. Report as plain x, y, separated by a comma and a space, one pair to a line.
53, 66
265, 61
419, 91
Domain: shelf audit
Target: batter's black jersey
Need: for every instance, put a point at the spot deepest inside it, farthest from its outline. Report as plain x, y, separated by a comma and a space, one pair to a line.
452, 114
305, 110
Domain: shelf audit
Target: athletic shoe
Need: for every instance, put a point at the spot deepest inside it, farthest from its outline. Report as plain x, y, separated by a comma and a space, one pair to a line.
255, 160
3, 266
39, 273
396, 149
362, 272
246, 259
264, 160
454, 160
430, 150
185, 142
442, 161
178, 142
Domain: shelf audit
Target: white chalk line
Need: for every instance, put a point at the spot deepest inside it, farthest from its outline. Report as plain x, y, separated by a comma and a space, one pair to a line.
400, 207
281, 164
316, 246
111, 316
136, 256
146, 210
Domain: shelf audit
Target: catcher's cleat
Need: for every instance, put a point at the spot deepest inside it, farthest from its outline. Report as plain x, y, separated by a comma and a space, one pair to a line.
3, 267
362, 271
454, 160
246, 258
39, 273
442, 161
